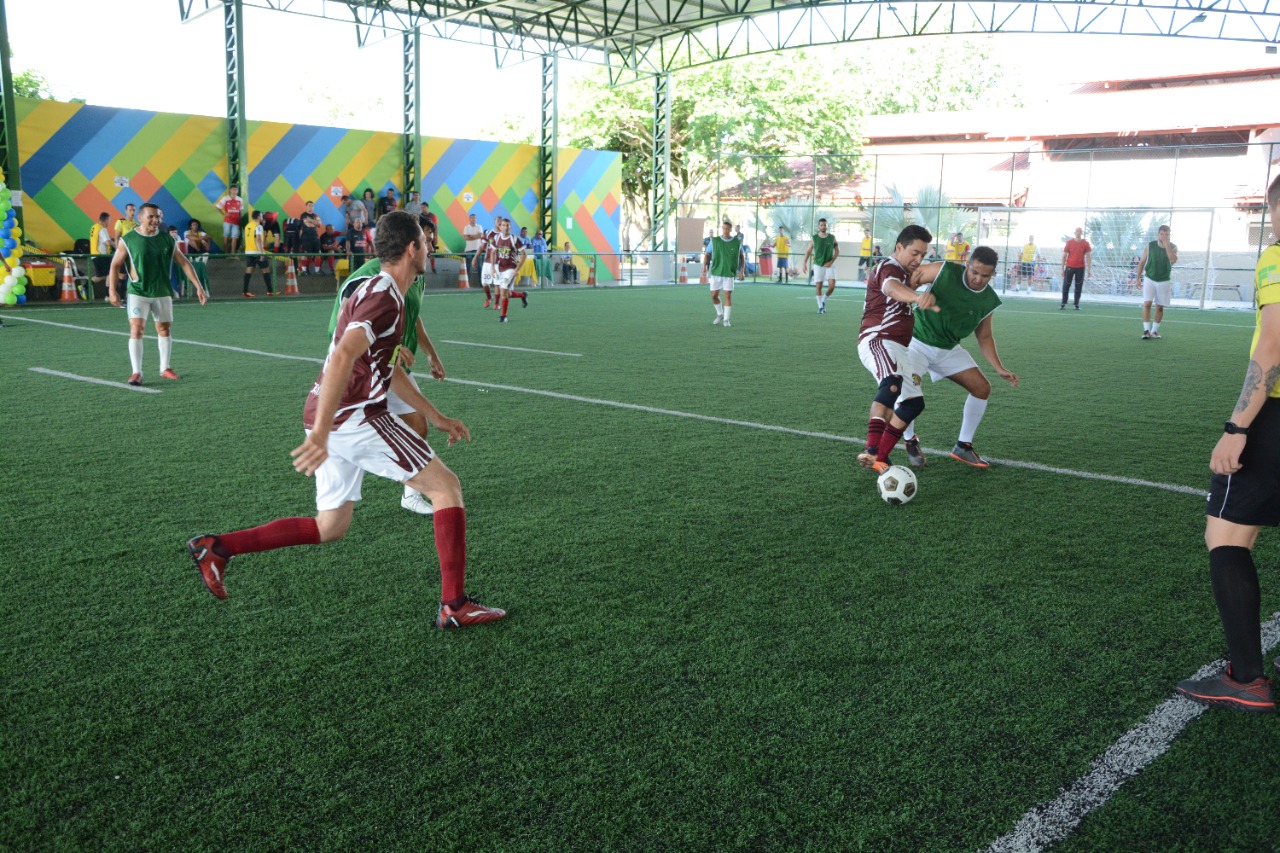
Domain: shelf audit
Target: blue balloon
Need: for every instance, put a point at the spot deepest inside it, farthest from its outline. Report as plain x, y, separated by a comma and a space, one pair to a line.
22, 299
10, 244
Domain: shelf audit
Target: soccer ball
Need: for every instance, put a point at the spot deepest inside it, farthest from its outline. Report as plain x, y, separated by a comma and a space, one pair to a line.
897, 485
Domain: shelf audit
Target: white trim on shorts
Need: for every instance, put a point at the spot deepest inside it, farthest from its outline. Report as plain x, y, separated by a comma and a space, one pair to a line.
385, 446
160, 307
885, 358
396, 404
827, 273
940, 362
1156, 292
721, 282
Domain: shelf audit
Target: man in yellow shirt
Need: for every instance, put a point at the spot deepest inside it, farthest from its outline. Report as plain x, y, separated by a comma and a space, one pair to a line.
782, 245
957, 248
1244, 496
864, 255
1027, 267
101, 247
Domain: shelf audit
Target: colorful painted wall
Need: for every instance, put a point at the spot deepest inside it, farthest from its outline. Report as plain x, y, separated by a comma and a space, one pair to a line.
79, 160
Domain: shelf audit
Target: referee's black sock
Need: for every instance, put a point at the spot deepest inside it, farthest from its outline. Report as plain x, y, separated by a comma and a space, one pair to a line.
1235, 589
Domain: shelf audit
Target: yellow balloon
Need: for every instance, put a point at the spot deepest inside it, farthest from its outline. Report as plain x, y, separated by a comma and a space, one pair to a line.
15, 231
17, 253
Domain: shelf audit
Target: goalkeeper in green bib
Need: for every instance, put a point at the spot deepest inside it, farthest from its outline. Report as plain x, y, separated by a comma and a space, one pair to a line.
966, 302
415, 334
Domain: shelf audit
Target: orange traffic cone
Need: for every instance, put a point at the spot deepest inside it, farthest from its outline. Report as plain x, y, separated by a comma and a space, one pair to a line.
684, 274
704, 279
68, 284
463, 282
591, 271
290, 279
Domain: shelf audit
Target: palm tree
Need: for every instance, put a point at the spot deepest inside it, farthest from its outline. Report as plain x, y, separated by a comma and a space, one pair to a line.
1118, 237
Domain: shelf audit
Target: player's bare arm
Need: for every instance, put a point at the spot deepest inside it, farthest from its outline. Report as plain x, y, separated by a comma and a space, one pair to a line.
310, 455
406, 389
808, 253
986, 336
424, 340
895, 289
925, 274
1260, 379
118, 260
1173, 253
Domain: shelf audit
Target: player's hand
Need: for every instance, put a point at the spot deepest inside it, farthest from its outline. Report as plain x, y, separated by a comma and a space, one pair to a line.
310, 455
927, 302
405, 358
202, 294
437, 369
1226, 454
1009, 376
453, 428
113, 297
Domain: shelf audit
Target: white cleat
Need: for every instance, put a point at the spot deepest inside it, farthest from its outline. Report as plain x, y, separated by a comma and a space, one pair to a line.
716, 321
417, 503
727, 324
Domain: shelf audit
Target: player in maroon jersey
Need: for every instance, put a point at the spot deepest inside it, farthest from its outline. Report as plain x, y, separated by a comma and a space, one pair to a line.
507, 253
884, 341
350, 432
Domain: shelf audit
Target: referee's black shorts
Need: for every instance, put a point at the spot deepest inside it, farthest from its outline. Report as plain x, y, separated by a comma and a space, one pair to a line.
1251, 496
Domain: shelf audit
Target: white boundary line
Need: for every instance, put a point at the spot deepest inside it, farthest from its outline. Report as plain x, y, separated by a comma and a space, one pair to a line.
513, 349
80, 378
1051, 822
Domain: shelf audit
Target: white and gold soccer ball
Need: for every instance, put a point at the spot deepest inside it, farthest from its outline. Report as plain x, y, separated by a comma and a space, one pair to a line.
897, 485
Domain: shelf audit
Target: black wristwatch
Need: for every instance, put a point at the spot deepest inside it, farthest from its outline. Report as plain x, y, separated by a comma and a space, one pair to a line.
1231, 429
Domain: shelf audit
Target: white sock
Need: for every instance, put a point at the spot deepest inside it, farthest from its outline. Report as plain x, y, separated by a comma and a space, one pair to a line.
1155, 327
1146, 327
135, 354
974, 409
727, 309
819, 301
719, 310
910, 432
166, 349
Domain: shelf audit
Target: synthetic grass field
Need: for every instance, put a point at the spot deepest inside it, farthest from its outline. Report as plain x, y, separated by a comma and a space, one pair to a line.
719, 637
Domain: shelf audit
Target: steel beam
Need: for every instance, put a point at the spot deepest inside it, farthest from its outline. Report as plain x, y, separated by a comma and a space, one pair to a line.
237, 158
9, 159
549, 142
411, 139
660, 177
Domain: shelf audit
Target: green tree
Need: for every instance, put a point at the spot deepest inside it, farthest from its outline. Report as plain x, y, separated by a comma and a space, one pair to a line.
31, 84
1118, 238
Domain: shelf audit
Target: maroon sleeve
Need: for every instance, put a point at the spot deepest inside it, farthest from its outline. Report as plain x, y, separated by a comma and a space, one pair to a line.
373, 308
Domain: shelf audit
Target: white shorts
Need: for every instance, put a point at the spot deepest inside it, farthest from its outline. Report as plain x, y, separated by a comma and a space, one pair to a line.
720, 282
396, 405
821, 274
1156, 291
160, 307
486, 274
505, 279
888, 358
940, 362
385, 446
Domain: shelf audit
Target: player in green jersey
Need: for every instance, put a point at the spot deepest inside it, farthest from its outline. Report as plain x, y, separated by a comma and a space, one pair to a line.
146, 253
966, 302
414, 334
726, 261
823, 249
1157, 271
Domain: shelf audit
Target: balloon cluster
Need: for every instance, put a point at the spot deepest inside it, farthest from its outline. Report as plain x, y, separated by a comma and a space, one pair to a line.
13, 287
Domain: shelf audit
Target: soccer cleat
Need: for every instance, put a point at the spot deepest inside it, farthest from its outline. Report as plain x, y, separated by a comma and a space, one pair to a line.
870, 462
822, 309
417, 503
1062, 307
1223, 691
502, 319
212, 567
486, 303
271, 293
1155, 336
168, 373
1146, 336
524, 300
135, 379
247, 295
727, 324
1077, 307
914, 454
964, 452
471, 612
717, 321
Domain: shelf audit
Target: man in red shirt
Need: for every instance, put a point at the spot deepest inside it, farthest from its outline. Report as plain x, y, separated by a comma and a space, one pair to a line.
1077, 258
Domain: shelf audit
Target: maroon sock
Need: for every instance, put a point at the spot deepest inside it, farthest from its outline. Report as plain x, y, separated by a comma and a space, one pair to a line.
887, 441
518, 294
875, 428
451, 545
280, 533
505, 300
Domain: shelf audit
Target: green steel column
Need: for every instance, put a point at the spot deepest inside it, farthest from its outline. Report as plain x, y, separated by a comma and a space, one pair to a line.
9, 160
550, 145
237, 159
411, 140
660, 177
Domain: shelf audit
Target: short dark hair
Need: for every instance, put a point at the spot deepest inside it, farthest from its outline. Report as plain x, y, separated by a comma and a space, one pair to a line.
1163, 228
145, 205
396, 231
257, 214
103, 215
912, 233
985, 255
823, 219
1273, 192
235, 187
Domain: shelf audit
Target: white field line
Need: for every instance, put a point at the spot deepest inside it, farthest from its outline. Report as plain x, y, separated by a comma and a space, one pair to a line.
80, 378
635, 407
513, 349
1051, 822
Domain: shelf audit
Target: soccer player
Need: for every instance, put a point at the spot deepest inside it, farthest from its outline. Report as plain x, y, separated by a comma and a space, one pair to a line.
144, 254
966, 302
486, 265
231, 206
725, 260
782, 245
823, 249
254, 255
506, 254
414, 333
1157, 269
349, 431
1244, 496
884, 342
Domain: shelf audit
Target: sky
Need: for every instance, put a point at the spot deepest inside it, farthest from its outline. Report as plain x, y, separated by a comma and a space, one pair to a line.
301, 70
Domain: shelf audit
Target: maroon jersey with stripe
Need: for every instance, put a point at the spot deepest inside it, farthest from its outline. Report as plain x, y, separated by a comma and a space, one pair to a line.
376, 308
882, 316
508, 251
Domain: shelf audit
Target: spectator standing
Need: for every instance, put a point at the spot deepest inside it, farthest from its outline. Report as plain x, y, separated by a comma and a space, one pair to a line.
370, 202
356, 220
309, 238
782, 245
292, 235
541, 260
231, 206
1027, 267
1077, 258
473, 234
101, 246
413, 205
388, 202
270, 232
865, 255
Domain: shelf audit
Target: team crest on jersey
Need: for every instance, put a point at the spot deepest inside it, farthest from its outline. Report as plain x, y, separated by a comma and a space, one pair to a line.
915, 379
